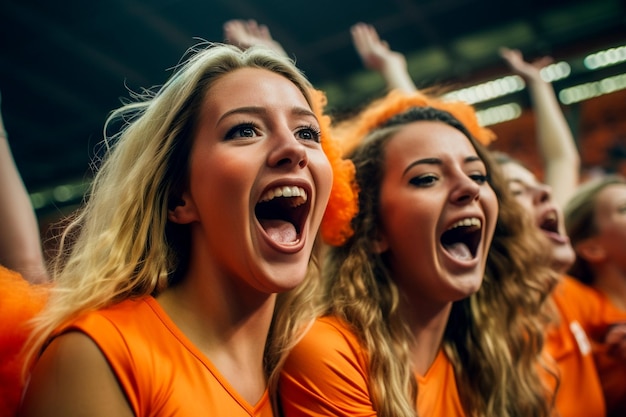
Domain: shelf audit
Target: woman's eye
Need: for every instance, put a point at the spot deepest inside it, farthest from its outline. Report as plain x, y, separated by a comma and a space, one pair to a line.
479, 178
517, 191
246, 130
309, 133
423, 180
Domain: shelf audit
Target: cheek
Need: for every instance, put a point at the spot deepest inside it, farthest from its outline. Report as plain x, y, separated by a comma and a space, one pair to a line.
491, 207
526, 202
322, 175
529, 209
217, 180
223, 170
614, 233
410, 225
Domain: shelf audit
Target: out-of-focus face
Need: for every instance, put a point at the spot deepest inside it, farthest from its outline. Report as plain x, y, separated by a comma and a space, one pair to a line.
610, 220
438, 213
536, 198
259, 182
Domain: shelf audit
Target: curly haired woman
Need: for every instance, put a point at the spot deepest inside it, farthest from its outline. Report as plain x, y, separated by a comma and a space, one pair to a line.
436, 304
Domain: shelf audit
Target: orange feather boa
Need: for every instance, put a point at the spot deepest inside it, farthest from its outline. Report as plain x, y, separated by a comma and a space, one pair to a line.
343, 202
20, 301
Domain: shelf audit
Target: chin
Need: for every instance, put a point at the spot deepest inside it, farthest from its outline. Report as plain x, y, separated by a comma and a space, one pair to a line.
563, 258
471, 286
287, 280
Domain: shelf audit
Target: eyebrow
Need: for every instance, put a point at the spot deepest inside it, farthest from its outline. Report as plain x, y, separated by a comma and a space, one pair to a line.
298, 111
437, 161
521, 183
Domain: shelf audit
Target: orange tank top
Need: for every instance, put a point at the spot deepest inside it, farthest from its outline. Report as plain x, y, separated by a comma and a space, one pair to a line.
161, 372
326, 374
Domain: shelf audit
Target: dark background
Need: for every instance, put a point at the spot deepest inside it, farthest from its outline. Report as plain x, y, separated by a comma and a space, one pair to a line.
65, 64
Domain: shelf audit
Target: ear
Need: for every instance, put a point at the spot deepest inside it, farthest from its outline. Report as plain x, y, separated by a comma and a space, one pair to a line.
591, 251
380, 243
182, 210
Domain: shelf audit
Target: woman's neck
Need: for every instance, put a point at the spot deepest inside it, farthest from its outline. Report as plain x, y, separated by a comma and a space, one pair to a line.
228, 327
427, 324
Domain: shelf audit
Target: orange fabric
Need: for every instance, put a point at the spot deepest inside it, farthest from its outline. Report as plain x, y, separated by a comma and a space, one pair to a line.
437, 393
611, 368
612, 372
352, 131
343, 202
585, 317
161, 372
326, 374
19, 302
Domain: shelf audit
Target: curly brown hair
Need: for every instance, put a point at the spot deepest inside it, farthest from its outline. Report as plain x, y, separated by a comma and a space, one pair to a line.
493, 338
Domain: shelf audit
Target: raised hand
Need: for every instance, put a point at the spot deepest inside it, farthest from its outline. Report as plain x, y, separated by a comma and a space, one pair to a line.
247, 33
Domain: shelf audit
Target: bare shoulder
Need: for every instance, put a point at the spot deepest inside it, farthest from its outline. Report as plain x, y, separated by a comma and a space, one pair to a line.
71, 378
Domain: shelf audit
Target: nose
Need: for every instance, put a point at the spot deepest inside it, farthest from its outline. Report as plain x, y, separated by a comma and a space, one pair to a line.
541, 193
287, 151
467, 190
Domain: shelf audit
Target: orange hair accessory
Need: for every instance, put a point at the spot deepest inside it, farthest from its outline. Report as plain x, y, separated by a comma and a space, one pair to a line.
396, 102
343, 202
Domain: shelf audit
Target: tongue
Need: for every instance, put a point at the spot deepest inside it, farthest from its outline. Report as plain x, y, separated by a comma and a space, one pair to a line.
279, 230
460, 251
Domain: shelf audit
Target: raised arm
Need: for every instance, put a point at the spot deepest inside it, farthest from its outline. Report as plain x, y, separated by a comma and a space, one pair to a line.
376, 55
555, 141
247, 33
20, 239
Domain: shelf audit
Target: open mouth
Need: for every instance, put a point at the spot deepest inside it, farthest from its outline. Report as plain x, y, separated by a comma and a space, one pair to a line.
550, 223
461, 240
282, 212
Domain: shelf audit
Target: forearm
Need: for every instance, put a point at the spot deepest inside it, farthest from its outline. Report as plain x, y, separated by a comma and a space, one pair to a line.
398, 78
377, 56
555, 141
20, 245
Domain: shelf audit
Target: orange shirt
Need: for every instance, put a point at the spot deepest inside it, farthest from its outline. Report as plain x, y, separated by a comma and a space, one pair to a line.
19, 302
612, 372
611, 368
585, 318
161, 372
326, 374
437, 393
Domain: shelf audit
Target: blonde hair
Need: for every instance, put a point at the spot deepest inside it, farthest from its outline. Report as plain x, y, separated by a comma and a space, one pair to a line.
121, 245
493, 338
580, 223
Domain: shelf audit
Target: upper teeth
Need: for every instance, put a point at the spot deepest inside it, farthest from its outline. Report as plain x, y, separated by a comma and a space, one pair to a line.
472, 221
285, 191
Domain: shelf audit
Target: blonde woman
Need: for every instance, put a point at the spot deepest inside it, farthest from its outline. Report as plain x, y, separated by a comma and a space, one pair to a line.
207, 204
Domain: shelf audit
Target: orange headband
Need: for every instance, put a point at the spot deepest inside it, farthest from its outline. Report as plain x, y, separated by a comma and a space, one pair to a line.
397, 102
343, 202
